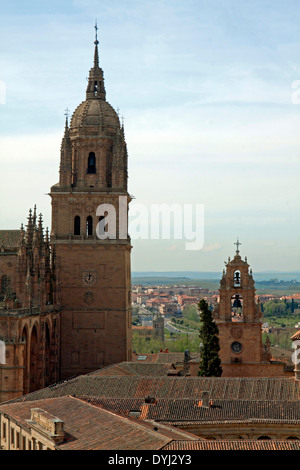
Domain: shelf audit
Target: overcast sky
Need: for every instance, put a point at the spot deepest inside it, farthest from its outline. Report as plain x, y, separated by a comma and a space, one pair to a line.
209, 95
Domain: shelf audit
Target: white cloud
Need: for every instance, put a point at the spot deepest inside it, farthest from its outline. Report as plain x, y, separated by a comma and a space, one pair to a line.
29, 167
206, 92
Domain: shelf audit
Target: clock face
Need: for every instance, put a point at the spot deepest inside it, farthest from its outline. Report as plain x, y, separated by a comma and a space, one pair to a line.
236, 347
89, 278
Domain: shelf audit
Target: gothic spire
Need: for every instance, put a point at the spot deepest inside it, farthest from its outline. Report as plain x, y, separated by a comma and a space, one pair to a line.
29, 228
96, 42
34, 216
65, 169
95, 88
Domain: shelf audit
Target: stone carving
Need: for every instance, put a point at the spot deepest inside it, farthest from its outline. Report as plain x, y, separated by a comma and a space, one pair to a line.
236, 332
89, 298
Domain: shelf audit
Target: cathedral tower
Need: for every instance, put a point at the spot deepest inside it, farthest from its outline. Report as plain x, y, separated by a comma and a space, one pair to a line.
89, 233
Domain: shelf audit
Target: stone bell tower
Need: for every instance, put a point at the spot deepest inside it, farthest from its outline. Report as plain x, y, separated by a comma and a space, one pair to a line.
239, 319
89, 233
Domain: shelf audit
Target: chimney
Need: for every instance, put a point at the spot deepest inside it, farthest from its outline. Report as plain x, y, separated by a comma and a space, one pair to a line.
150, 399
205, 399
47, 424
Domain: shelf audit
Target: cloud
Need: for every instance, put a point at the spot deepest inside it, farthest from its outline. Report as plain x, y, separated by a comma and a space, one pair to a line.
29, 167
206, 91
214, 247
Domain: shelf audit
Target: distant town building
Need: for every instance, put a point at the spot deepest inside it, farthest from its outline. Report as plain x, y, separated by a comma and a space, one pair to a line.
158, 327
170, 308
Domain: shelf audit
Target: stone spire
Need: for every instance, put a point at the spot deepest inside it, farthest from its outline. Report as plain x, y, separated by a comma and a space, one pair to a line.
65, 168
95, 88
29, 229
96, 42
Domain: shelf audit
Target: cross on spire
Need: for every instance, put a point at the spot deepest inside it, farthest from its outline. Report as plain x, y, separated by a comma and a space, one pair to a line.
67, 116
237, 243
96, 33
95, 88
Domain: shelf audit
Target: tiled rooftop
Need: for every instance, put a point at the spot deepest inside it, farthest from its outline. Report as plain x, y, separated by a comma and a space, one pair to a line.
134, 368
160, 358
277, 388
9, 239
190, 410
89, 427
233, 445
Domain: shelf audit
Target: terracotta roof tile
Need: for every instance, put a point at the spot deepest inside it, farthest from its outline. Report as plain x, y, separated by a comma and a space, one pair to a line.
274, 388
134, 368
162, 357
89, 427
9, 239
185, 411
233, 445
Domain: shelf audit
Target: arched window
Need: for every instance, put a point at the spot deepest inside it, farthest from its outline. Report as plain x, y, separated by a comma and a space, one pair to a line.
237, 307
104, 228
91, 169
77, 225
237, 278
3, 284
89, 225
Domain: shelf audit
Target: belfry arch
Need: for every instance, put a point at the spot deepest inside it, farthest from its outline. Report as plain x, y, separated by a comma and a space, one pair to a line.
91, 168
237, 278
237, 307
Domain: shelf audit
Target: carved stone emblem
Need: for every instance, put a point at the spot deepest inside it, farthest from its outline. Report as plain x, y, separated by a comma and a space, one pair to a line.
89, 298
236, 332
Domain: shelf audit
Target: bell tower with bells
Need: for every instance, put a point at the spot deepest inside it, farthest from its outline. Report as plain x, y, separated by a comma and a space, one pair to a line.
239, 318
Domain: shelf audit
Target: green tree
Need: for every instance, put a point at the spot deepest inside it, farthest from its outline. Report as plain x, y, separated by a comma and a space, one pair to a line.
210, 363
190, 312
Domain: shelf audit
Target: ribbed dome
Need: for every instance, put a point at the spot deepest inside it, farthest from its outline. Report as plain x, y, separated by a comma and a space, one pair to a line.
95, 112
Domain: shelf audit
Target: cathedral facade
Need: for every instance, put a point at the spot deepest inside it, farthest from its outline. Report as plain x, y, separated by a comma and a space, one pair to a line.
65, 298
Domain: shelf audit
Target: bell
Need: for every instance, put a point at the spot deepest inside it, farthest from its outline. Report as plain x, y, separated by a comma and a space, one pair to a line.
237, 303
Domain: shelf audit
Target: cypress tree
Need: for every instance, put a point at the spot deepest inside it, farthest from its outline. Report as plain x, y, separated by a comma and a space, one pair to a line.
210, 363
